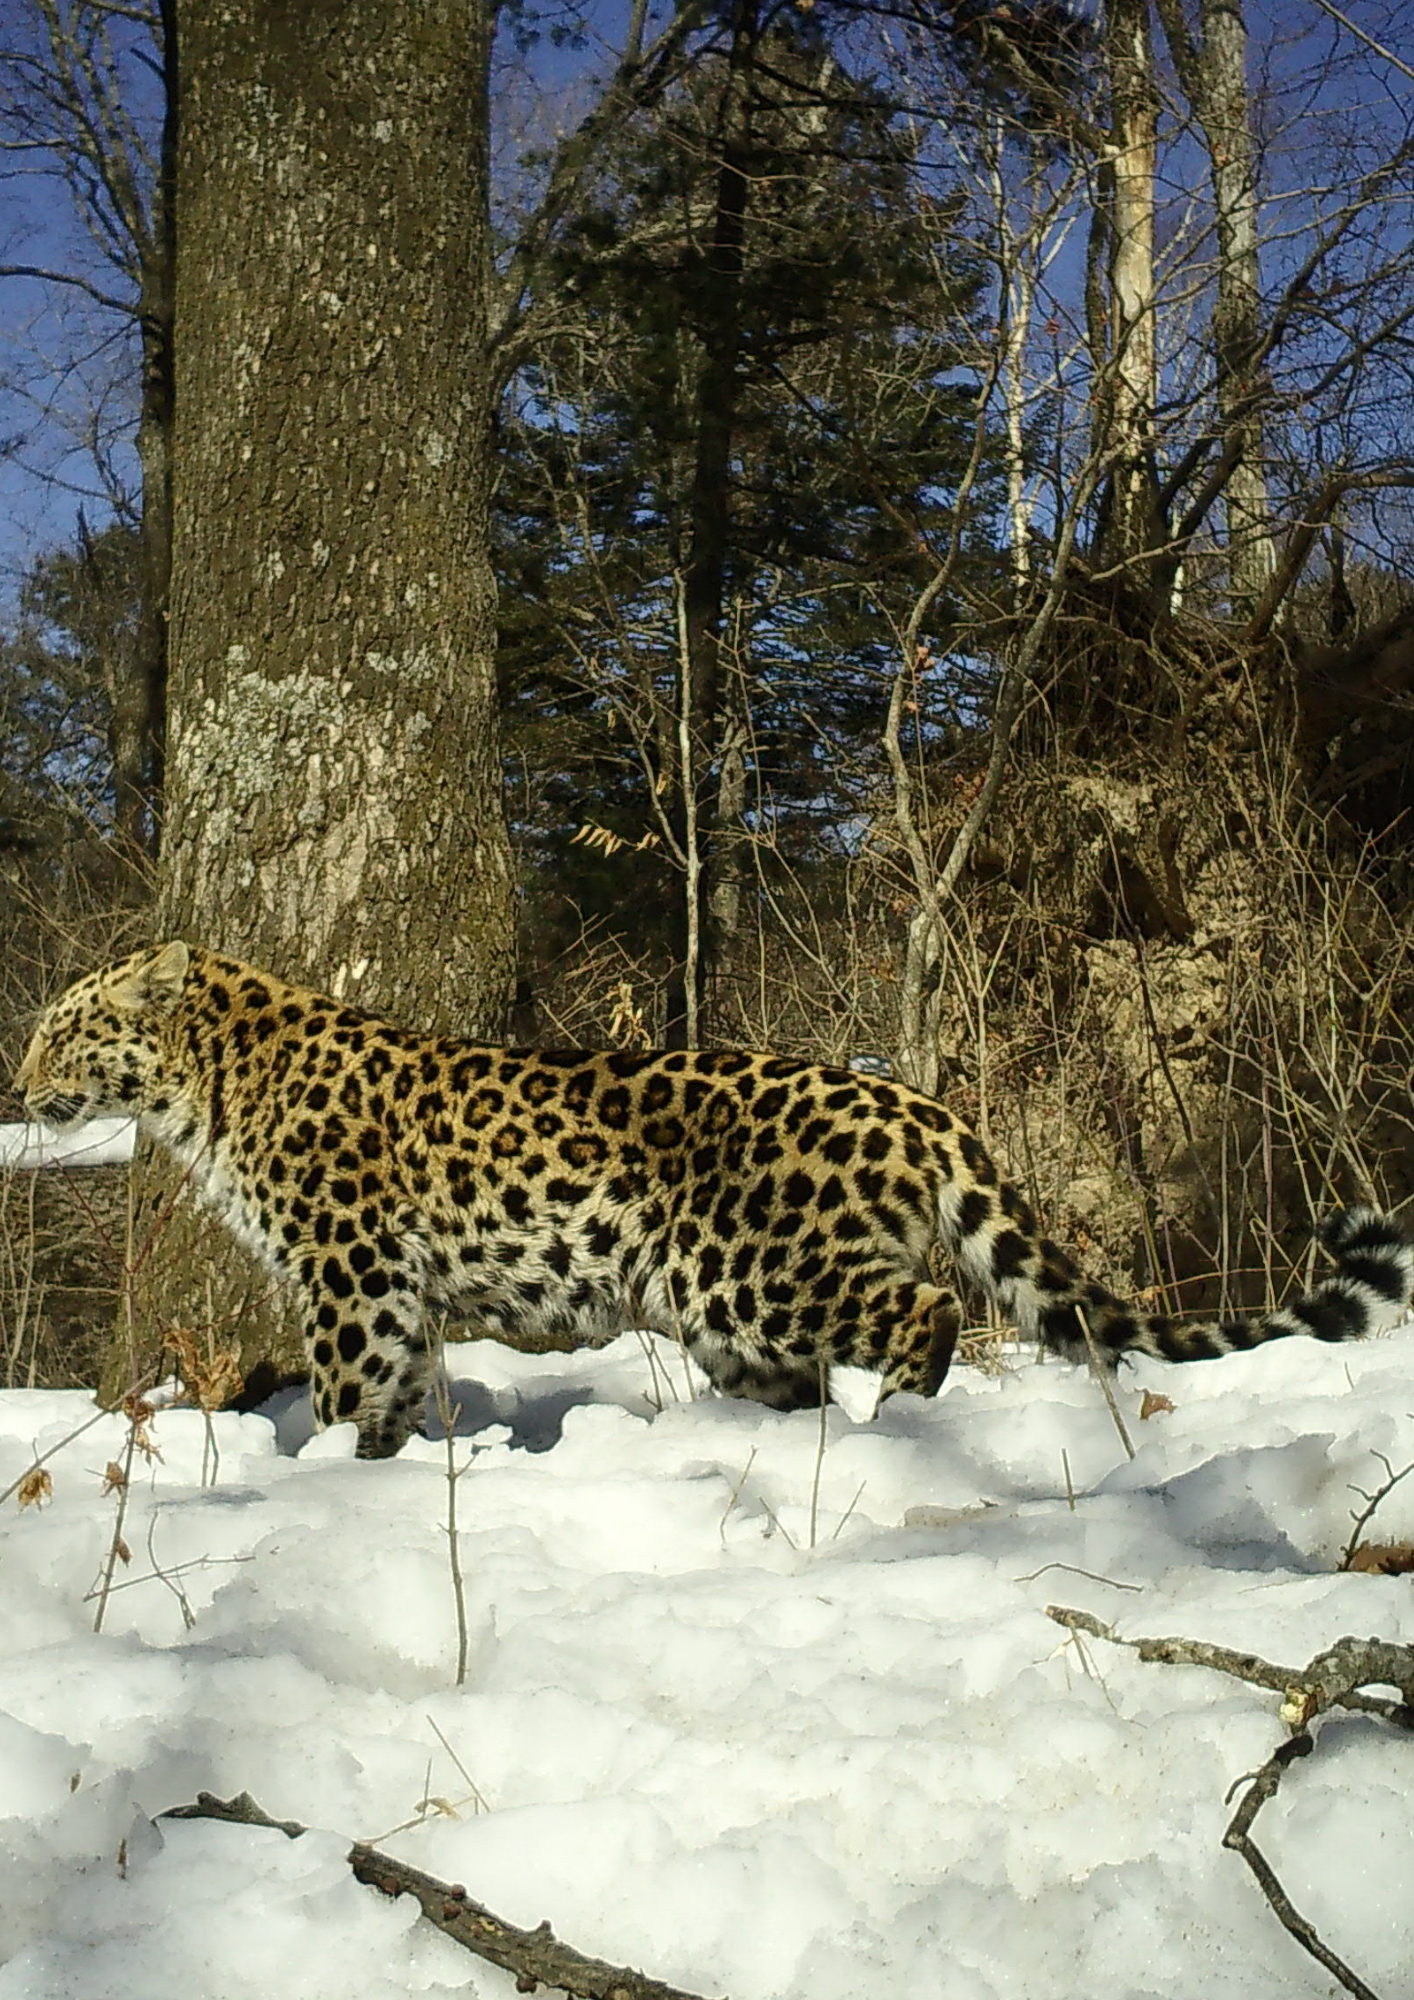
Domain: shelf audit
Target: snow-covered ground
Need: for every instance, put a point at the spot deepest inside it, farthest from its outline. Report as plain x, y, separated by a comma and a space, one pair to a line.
697, 1737
102, 1142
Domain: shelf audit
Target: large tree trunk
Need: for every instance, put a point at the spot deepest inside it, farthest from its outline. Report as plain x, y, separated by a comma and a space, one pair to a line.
333, 805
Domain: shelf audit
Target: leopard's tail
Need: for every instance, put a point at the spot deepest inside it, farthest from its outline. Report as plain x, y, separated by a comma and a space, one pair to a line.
1370, 1290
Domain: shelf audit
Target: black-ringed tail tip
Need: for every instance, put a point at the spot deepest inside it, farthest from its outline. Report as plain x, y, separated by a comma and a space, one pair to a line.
1369, 1291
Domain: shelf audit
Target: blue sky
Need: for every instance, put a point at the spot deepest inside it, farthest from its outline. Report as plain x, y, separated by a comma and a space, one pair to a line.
67, 363
50, 412
49, 419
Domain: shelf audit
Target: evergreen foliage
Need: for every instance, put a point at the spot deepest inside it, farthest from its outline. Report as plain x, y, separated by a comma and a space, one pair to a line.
852, 411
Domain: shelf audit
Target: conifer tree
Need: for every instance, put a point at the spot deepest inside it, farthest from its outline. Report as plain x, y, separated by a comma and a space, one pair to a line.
722, 473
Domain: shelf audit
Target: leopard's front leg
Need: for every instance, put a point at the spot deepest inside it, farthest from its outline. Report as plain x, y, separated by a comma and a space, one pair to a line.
370, 1346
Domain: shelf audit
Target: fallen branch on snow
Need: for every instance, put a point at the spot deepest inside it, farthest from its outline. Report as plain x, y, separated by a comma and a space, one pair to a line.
1332, 1680
536, 1957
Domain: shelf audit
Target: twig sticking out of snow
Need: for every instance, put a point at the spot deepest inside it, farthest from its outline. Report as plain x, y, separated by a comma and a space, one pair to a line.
138, 1412
1332, 1680
535, 1957
134, 1393
1102, 1375
447, 1411
1372, 1501
28, 1474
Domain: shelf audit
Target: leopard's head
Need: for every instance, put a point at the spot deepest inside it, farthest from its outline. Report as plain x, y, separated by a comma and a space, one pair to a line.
97, 1050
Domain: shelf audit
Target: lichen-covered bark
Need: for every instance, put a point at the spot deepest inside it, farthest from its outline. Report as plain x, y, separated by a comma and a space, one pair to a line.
333, 803
332, 794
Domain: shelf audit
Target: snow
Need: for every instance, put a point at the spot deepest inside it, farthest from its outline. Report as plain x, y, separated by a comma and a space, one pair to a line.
101, 1142
691, 1739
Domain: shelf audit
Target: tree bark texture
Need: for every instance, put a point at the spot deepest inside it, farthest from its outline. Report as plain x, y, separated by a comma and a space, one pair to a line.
333, 802
1213, 72
1125, 404
138, 770
333, 798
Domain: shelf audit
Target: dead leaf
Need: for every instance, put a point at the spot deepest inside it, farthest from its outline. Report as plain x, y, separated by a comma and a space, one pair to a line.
1384, 1558
139, 1413
35, 1488
212, 1378
1153, 1403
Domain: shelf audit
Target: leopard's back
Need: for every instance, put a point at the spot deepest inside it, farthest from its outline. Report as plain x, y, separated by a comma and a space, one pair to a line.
729, 1194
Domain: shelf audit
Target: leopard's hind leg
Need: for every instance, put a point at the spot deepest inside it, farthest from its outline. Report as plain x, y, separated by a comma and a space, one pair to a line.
920, 1324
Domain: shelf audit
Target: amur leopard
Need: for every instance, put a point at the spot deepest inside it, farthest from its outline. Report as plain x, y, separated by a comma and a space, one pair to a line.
778, 1216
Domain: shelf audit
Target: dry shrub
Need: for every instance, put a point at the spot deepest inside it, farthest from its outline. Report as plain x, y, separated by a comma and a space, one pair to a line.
69, 900
1177, 1005
61, 1257
600, 993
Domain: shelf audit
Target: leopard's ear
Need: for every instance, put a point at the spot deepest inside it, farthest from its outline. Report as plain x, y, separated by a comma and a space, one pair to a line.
154, 980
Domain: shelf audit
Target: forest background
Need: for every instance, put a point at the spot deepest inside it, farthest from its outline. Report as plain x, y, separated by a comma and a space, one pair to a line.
922, 493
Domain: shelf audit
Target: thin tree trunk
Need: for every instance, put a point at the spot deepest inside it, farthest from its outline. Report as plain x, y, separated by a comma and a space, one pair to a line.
725, 887
710, 509
1213, 73
1016, 296
140, 790
1125, 409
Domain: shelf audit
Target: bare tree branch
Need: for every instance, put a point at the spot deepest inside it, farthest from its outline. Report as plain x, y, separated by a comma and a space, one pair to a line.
1379, 48
1314, 516
1332, 1679
48, 277
1238, 1838
1344, 1672
1372, 1502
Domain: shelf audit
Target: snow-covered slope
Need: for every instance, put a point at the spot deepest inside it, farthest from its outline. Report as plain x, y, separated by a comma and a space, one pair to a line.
690, 1739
